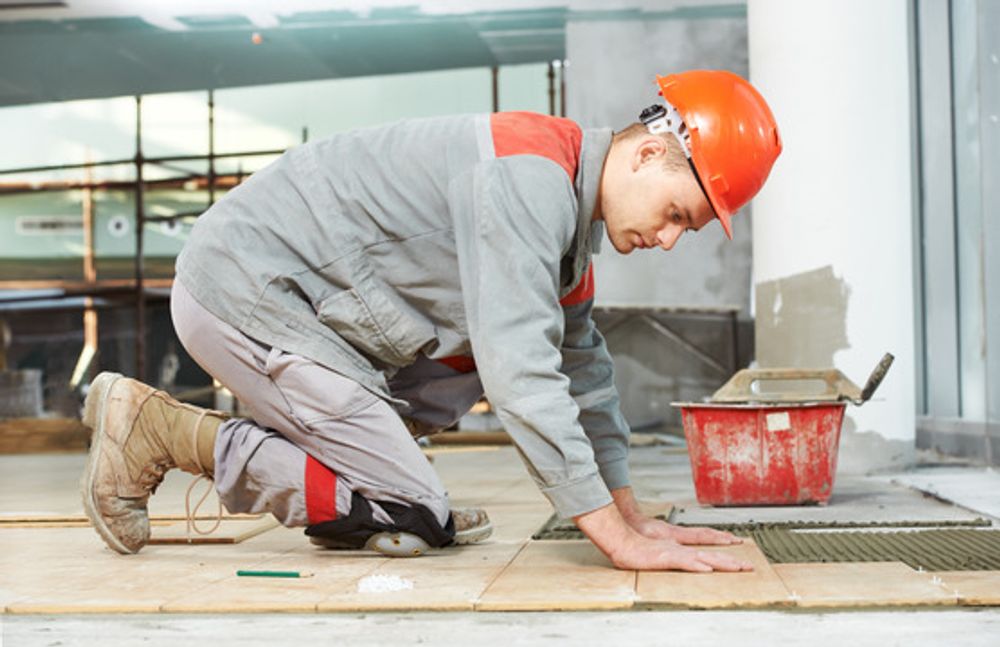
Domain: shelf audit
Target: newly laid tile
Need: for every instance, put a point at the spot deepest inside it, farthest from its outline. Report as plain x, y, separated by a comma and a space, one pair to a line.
758, 588
452, 579
864, 584
559, 575
973, 588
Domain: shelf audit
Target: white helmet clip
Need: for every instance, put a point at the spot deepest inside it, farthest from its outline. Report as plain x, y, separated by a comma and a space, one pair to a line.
664, 118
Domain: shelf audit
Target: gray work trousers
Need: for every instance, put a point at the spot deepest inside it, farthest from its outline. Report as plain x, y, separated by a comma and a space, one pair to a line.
315, 438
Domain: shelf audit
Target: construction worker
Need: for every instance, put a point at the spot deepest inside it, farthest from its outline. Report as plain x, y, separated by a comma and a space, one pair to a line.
378, 282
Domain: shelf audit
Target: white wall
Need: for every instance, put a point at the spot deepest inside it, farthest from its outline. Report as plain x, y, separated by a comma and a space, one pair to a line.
838, 207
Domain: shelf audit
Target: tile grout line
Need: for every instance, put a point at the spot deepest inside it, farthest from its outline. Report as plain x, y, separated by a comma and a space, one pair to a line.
479, 598
212, 582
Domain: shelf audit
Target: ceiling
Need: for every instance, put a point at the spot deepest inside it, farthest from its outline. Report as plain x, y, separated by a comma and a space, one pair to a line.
79, 49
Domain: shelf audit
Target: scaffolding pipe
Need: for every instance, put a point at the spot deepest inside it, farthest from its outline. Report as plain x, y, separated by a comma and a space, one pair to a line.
552, 88
131, 160
495, 72
562, 88
140, 225
211, 148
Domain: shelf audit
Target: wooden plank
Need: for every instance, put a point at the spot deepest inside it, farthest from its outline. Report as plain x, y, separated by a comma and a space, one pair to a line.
559, 576
470, 438
41, 435
760, 588
230, 531
865, 584
21, 520
452, 579
972, 588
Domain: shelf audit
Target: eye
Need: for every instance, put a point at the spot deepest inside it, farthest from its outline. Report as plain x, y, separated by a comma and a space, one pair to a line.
676, 217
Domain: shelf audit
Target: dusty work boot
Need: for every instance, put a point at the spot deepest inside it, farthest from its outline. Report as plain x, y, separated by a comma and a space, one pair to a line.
472, 525
138, 434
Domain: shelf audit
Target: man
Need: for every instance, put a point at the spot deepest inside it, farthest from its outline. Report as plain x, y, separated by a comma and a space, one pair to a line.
400, 272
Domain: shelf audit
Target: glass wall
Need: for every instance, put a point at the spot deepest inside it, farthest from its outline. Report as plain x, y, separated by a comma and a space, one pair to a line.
958, 98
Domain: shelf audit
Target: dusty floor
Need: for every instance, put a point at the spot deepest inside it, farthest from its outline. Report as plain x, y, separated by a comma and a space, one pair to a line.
67, 571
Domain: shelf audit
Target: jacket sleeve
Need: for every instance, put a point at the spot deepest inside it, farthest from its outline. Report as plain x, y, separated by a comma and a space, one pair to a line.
591, 372
514, 219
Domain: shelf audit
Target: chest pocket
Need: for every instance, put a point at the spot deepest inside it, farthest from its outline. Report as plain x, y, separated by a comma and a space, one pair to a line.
371, 318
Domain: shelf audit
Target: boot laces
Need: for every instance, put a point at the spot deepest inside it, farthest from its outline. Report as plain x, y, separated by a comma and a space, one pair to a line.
192, 514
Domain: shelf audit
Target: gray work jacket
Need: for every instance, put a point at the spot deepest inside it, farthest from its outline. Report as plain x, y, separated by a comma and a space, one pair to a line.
368, 250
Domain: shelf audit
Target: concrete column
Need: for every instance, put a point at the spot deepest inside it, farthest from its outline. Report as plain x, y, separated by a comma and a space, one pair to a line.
833, 229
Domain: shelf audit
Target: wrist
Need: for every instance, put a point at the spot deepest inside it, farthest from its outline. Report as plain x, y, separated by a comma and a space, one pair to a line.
607, 529
627, 506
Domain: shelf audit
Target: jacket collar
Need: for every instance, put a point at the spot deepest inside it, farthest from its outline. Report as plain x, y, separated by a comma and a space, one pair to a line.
593, 151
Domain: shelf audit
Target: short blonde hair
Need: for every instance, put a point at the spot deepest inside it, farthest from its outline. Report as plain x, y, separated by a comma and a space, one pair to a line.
675, 159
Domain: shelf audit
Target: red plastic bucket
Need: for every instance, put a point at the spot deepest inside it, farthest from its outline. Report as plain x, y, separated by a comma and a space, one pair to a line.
771, 454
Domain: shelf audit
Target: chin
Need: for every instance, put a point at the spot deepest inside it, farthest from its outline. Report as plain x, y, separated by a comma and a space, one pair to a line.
624, 248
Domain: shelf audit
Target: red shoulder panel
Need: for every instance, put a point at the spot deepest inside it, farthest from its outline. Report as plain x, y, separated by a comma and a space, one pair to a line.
529, 133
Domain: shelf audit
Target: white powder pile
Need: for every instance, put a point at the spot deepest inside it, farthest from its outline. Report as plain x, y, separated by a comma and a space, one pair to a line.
383, 584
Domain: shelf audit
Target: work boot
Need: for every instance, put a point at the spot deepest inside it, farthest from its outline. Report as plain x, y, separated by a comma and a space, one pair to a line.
138, 434
472, 525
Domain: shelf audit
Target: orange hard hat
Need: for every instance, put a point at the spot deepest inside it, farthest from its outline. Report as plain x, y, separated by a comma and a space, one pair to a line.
731, 135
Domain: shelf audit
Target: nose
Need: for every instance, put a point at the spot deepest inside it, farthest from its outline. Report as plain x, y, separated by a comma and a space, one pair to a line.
668, 236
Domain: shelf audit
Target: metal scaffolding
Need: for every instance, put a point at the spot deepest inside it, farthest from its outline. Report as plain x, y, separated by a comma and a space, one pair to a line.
116, 292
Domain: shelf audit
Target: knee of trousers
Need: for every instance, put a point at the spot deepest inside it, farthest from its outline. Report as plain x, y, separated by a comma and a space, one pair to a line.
354, 529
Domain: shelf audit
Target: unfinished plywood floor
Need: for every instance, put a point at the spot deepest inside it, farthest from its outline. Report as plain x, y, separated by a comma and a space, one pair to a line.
68, 569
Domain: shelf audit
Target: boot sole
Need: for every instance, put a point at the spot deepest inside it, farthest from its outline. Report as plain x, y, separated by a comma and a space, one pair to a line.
93, 413
473, 535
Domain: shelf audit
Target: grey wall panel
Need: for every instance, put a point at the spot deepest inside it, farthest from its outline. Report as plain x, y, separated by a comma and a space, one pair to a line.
611, 78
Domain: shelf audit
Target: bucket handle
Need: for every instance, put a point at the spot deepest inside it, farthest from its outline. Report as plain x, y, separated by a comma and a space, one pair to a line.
837, 385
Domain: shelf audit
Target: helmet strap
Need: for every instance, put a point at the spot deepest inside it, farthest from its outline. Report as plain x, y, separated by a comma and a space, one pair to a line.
664, 118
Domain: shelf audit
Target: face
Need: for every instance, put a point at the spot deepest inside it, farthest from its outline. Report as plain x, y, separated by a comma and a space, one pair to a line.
643, 204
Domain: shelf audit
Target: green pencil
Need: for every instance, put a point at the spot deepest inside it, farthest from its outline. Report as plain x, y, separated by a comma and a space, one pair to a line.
242, 573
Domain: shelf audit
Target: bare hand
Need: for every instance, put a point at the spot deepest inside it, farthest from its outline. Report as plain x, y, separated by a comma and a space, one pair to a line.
657, 529
629, 549
644, 553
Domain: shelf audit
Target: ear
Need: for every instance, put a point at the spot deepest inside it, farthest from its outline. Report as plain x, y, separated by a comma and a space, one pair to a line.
650, 148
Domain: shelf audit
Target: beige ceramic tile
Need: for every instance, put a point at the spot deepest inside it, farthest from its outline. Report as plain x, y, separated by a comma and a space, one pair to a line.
759, 588
451, 579
866, 584
517, 522
559, 575
973, 588
324, 572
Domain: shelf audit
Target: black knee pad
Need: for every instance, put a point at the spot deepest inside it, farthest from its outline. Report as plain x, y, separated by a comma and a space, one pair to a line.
354, 530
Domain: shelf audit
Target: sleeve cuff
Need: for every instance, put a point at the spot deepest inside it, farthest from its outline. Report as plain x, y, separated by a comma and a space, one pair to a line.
578, 497
615, 473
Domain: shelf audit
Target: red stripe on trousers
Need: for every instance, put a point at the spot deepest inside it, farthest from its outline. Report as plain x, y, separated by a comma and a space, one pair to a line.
321, 492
